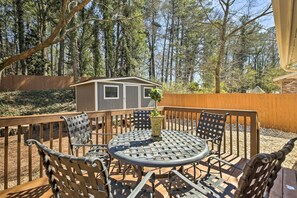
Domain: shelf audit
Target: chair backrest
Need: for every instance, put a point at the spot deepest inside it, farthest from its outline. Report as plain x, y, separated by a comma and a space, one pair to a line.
261, 171
71, 176
211, 126
142, 119
79, 131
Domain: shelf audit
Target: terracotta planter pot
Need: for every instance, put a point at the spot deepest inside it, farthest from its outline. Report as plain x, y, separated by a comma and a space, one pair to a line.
156, 122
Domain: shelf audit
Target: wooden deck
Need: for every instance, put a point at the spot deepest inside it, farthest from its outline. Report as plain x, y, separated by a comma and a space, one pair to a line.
285, 184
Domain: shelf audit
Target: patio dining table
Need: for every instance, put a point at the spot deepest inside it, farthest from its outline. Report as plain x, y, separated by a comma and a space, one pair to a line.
174, 149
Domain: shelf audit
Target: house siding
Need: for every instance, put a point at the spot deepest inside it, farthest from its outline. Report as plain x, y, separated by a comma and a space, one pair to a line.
289, 86
146, 102
85, 100
105, 104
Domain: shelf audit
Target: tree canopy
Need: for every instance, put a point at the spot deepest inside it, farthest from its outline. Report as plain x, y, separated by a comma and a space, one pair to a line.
193, 45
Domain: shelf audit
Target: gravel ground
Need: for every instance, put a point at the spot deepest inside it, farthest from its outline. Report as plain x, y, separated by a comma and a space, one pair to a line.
270, 140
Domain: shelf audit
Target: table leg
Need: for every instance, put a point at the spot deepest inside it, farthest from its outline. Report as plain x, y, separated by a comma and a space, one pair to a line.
139, 172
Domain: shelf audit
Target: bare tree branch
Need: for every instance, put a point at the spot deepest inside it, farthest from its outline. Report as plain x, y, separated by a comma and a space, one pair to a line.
62, 37
63, 21
217, 25
265, 12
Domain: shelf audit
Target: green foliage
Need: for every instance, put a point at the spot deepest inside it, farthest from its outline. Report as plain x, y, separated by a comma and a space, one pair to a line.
157, 95
193, 87
267, 83
155, 112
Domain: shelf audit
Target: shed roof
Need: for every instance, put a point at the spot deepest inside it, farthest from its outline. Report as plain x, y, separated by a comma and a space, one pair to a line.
116, 80
285, 19
287, 76
257, 89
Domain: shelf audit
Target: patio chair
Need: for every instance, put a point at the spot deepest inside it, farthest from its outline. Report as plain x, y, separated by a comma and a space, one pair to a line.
256, 181
71, 176
142, 119
141, 122
211, 127
80, 135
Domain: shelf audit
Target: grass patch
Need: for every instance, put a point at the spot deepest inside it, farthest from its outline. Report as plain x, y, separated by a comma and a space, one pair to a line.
18, 103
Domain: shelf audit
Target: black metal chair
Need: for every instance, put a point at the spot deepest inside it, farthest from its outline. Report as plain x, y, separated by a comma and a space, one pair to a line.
257, 179
80, 135
211, 127
142, 119
71, 176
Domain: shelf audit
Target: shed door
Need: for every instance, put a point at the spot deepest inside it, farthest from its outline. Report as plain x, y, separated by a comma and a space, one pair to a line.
132, 96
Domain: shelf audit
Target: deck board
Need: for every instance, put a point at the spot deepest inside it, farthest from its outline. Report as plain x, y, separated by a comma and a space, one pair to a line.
282, 187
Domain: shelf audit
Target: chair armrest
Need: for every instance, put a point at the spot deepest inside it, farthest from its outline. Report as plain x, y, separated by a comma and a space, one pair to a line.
191, 130
149, 176
221, 160
102, 133
92, 145
182, 177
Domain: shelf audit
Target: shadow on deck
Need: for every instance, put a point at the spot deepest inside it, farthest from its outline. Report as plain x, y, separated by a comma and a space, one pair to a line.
284, 186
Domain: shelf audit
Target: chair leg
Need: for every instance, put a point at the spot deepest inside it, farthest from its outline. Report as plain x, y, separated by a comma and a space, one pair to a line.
220, 169
125, 170
119, 166
220, 165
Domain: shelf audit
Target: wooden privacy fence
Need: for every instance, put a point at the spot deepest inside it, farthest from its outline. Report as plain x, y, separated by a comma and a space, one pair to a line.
278, 111
20, 163
27, 83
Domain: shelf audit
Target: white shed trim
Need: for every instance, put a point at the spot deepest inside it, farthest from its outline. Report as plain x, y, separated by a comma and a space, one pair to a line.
112, 80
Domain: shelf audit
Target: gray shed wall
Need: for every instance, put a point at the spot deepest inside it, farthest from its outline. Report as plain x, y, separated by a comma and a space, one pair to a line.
85, 97
146, 102
105, 104
131, 97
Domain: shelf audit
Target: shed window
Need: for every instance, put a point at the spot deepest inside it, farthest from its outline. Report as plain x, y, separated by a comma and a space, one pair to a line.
111, 92
147, 91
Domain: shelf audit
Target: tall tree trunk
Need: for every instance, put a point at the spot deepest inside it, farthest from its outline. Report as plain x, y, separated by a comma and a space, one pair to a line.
164, 50
61, 56
81, 45
21, 32
52, 60
96, 50
222, 47
73, 49
153, 41
43, 26
172, 41
177, 52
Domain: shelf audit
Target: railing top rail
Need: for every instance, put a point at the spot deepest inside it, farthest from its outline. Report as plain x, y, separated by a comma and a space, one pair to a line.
215, 110
56, 117
45, 118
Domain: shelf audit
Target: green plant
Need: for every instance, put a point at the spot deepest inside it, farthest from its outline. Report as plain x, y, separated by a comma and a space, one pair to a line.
157, 95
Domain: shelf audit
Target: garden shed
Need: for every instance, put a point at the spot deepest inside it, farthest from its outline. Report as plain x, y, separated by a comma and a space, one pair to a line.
113, 93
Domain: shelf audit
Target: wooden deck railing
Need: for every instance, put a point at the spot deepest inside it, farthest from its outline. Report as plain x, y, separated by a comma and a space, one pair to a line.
20, 163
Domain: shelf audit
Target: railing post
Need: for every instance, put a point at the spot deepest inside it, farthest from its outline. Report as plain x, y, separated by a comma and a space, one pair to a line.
254, 135
164, 120
6, 158
108, 127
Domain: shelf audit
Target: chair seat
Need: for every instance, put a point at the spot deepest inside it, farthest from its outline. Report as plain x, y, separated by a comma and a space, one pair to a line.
121, 190
211, 186
96, 151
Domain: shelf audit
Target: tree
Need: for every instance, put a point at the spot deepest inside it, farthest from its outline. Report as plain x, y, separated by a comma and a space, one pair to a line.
223, 24
65, 17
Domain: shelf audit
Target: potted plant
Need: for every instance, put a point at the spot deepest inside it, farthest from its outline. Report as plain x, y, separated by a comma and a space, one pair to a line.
156, 117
